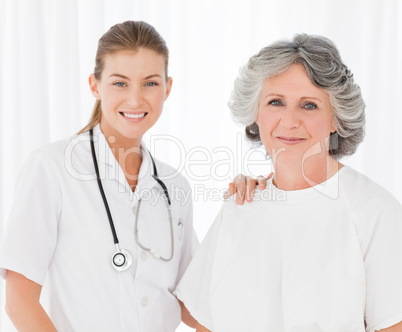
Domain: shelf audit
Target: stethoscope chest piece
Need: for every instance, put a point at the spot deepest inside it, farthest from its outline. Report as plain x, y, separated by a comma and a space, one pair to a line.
122, 260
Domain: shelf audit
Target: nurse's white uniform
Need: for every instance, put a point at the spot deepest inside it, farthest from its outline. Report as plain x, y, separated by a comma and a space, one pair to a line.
58, 231
323, 259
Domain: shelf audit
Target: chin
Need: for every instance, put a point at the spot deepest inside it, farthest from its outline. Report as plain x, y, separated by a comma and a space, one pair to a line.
131, 134
286, 158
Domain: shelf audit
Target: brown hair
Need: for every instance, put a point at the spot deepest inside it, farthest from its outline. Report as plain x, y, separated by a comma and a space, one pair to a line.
129, 35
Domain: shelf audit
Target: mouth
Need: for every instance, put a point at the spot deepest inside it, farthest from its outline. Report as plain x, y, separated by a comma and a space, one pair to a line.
133, 116
290, 140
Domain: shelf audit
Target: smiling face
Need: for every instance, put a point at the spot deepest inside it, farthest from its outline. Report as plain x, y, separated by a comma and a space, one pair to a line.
132, 90
294, 116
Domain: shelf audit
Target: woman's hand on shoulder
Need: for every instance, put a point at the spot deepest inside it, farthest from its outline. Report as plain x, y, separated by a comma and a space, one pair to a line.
244, 187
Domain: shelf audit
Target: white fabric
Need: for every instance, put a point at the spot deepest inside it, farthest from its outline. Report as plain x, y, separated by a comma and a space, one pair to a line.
59, 229
323, 259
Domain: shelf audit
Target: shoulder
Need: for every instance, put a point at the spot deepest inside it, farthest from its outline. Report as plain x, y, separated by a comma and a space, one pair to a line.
40, 173
237, 213
171, 175
362, 192
58, 156
50, 153
59, 149
179, 189
375, 212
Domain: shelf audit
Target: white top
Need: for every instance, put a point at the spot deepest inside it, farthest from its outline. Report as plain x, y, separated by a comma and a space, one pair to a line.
327, 258
58, 229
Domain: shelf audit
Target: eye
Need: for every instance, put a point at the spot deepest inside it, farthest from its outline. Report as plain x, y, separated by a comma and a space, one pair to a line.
310, 106
151, 84
119, 84
275, 102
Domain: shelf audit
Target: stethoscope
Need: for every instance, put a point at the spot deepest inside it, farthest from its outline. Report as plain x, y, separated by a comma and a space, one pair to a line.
122, 259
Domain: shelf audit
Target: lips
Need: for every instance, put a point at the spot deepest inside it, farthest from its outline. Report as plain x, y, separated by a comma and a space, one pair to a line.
290, 140
133, 115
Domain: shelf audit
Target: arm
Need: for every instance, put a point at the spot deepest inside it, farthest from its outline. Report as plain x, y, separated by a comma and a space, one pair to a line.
22, 304
186, 316
394, 328
201, 328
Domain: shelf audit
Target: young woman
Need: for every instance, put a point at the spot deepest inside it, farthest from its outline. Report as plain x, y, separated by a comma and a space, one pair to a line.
83, 222
320, 248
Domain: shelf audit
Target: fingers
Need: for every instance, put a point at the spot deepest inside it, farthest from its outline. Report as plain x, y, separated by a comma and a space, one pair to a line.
237, 186
240, 185
262, 182
244, 187
250, 187
230, 191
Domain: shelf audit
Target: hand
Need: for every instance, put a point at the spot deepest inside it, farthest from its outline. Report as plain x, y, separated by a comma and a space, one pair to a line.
244, 187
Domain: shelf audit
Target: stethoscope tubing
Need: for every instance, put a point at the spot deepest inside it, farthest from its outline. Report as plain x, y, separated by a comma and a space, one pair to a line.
109, 215
126, 255
152, 251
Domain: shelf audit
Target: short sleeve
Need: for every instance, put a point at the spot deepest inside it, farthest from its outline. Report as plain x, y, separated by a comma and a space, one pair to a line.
194, 288
383, 267
31, 231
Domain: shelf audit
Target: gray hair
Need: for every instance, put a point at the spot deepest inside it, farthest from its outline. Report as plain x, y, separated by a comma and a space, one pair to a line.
325, 68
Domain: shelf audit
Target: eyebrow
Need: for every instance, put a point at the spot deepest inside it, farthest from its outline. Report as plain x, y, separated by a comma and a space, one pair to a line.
312, 98
127, 78
282, 96
153, 75
119, 75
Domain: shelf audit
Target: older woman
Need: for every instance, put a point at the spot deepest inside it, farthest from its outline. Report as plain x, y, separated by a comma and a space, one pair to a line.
320, 249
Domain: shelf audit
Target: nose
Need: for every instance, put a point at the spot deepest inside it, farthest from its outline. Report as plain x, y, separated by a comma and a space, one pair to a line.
290, 118
135, 97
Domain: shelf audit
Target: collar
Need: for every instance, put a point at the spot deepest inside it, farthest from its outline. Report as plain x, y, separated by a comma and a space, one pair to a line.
113, 170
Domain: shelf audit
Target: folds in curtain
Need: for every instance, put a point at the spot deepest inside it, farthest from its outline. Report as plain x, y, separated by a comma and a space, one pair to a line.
48, 50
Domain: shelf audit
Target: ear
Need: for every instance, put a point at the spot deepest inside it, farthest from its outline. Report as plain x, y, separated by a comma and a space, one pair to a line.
333, 126
257, 119
93, 85
168, 87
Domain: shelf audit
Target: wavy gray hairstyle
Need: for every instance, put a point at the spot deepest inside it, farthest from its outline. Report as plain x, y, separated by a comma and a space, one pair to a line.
325, 68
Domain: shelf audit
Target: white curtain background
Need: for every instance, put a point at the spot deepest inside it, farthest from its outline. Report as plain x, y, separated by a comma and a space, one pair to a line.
47, 51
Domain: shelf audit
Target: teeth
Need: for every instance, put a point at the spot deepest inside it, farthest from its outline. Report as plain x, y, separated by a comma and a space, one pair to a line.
134, 116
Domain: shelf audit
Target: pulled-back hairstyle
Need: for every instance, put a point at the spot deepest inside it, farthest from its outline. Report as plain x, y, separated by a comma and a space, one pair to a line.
126, 36
325, 68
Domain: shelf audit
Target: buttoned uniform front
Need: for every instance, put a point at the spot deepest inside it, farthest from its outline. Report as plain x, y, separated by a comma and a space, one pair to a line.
58, 231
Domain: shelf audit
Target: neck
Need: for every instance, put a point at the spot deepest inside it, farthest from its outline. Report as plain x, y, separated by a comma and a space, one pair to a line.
305, 174
127, 152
